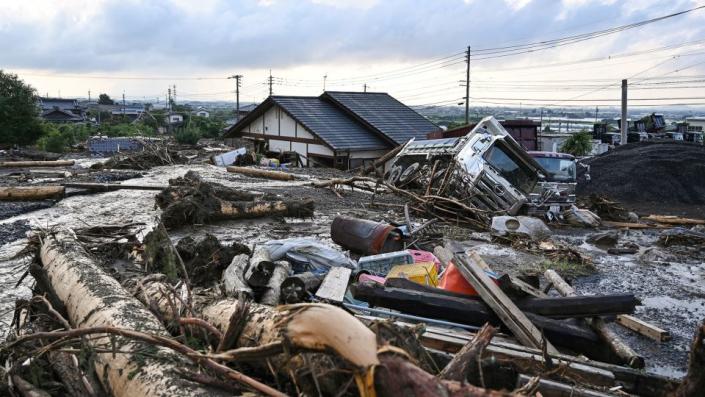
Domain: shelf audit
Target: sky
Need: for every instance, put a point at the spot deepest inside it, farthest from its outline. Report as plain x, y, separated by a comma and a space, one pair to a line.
413, 49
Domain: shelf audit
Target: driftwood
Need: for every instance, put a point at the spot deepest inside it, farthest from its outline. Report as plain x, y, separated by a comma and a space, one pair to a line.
234, 277
28, 164
190, 200
260, 269
94, 299
381, 161
616, 344
295, 288
694, 382
109, 187
465, 362
28, 193
272, 295
258, 173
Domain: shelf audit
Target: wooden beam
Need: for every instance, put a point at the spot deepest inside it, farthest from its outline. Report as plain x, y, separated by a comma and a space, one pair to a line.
334, 284
556, 389
109, 187
643, 328
505, 309
616, 344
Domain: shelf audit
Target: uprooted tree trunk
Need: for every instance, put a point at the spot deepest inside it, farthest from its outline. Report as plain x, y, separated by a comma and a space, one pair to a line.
27, 193
190, 200
694, 382
94, 299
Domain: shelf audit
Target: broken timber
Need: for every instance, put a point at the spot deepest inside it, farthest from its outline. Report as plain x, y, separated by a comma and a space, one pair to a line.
334, 284
94, 299
643, 328
506, 310
26, 193
258, 173
616, 344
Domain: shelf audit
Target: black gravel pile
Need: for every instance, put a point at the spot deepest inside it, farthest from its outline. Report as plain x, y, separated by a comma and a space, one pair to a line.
660, 172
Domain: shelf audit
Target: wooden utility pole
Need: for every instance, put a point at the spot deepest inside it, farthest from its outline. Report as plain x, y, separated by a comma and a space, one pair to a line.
364, 87
237, 78
467, 87
270, 82
625, 124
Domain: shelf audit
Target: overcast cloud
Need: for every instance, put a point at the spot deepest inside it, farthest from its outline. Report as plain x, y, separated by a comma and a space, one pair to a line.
306, 39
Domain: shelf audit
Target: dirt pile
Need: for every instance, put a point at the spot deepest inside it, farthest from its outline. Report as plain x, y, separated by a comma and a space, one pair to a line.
664, 173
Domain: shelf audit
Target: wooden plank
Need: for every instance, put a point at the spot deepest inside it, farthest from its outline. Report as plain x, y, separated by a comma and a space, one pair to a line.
629, 225
643, 328
505, 309
334, 284
621, 349
27, 164
527, 288
556, 389
109, 187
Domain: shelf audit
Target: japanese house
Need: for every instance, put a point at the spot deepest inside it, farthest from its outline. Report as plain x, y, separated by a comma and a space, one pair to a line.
336, 129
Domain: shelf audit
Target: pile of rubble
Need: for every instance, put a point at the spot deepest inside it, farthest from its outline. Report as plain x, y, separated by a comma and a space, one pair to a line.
404, 303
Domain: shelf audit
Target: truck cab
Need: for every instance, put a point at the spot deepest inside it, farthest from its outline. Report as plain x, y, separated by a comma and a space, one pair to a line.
556, 192
486, 168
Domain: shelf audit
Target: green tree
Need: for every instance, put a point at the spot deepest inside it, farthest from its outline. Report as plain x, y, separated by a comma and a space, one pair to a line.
578, 144
104, 99
209, 128
187, 135
19, 122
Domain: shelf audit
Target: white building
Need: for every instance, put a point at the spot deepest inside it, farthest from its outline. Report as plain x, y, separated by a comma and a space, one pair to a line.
695, 124
202, 112
174, 118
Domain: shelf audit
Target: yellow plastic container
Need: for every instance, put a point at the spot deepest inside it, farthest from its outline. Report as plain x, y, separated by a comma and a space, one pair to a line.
424, 273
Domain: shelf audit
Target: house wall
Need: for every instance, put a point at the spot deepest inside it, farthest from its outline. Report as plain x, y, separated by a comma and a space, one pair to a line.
283, 133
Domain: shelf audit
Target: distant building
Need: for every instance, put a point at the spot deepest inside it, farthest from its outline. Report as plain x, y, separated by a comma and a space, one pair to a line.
336, 129
696, 124
61, 110
202, 112
174, 118
525, 132
131, 112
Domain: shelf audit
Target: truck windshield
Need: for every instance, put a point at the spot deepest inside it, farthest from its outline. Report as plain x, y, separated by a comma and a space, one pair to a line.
559, 170
504, 163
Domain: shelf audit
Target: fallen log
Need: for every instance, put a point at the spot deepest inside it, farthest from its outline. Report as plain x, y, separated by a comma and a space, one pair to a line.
234, 277
694, 381
260, 269
556, 389
258, 173
294, 289
616, 344
28, 164
28, 193
94, 299
272, 295
110, 187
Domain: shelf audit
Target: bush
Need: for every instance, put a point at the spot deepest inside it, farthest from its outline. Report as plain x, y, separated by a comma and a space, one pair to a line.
52, 140
188, 136
127, 129
209, 127
578, 144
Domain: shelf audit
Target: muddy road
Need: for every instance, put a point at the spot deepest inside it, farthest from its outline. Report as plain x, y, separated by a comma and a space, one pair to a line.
670, 284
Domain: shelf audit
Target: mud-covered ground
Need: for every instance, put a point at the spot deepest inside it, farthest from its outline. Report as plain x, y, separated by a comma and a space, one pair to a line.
671, 286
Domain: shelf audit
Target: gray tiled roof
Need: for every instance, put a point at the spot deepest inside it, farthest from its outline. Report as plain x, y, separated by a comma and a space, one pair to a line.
385, 114
330, 124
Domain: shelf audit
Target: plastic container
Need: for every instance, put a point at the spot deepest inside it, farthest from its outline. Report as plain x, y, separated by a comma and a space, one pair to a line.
381, 264
424, 273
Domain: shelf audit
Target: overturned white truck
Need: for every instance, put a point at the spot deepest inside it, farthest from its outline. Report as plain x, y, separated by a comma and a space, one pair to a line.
488, 169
